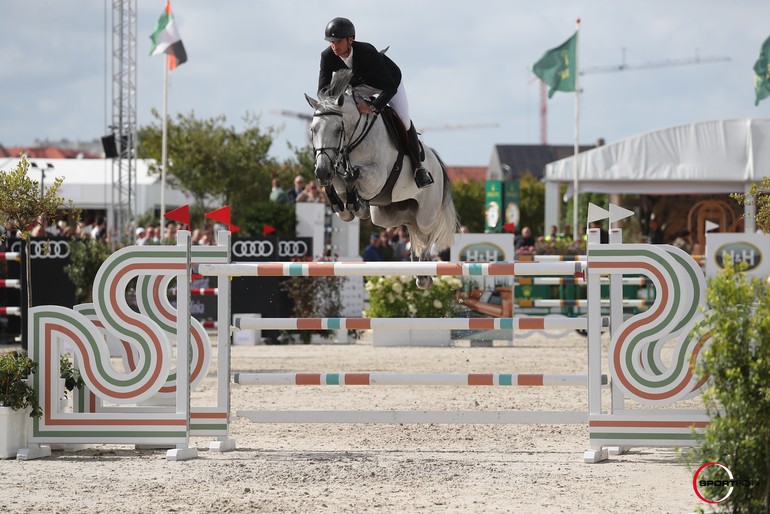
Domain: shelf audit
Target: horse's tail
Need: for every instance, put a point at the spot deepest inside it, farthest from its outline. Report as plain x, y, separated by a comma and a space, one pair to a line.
447, 222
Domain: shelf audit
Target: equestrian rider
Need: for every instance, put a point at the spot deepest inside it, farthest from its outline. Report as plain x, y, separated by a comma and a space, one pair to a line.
378, 74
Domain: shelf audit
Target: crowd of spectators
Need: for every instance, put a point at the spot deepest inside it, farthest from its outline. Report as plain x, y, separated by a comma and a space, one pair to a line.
96, 229
301, 192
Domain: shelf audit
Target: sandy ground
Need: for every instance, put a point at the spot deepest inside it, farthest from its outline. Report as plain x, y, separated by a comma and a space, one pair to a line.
371, 468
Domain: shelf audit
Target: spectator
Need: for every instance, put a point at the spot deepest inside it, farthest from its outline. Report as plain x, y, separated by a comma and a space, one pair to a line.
684, 241
170, 237
299, 186
566, 234
100, 230
141, 236
312, 193
195, 238
402, 247
278, 195
372, 252
655, 235
151, 236
464, 230
553, 235
386, 251
604, 236
524, 240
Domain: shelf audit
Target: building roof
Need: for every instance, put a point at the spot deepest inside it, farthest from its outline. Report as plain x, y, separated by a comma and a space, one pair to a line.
45, 152
511, 162
467, 173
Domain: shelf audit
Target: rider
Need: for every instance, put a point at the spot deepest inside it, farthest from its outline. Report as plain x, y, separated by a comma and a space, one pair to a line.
379, 74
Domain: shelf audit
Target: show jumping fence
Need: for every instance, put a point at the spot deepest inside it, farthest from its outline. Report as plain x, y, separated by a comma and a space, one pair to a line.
11, 283
150, 403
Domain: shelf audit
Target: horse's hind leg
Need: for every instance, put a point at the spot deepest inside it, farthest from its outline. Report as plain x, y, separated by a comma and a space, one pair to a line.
423, 282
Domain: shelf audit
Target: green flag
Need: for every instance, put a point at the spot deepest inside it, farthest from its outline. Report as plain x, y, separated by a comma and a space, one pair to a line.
762, 70
558, 67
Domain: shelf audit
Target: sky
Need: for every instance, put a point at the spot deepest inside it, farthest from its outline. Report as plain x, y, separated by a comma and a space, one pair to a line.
464, 63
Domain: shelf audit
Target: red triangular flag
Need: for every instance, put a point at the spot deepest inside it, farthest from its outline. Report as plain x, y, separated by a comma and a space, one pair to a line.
181, 214
221, 215
233, 228
267, 230
510, 227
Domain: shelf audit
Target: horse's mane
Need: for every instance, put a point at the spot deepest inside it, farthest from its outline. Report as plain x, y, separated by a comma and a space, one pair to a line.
329, 95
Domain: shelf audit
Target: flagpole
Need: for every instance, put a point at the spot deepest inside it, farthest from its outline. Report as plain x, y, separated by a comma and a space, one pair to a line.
163, 152
577, 134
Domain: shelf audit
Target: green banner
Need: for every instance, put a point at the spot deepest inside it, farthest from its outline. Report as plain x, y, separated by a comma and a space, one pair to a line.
494, 206
511, 202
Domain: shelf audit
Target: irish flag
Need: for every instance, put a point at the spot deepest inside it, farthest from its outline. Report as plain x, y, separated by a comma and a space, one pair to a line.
166, 39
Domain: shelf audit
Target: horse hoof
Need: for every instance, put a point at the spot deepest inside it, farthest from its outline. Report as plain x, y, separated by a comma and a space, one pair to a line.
346, 216
424, 282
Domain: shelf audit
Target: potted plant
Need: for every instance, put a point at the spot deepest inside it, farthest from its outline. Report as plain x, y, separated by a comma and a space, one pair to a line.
17, 402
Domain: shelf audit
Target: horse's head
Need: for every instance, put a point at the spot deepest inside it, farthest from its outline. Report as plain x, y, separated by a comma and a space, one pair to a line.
327, 129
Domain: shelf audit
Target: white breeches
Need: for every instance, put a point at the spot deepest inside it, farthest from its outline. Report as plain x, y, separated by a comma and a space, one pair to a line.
399, 102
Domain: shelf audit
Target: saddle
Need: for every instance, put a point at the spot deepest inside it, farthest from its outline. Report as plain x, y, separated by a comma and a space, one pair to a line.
397, 132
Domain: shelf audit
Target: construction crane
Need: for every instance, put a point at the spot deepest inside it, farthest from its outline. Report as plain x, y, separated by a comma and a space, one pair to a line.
623, 66
307, 118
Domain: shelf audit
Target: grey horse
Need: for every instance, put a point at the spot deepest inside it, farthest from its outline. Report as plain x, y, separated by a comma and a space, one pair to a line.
354, 159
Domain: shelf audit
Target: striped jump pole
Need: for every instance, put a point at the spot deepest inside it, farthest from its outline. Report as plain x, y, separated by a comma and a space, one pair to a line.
10, 311
413, 379
10, 256
357, 269
552, 302
529, 323
557, 281
10, 283
199, 291
550, 258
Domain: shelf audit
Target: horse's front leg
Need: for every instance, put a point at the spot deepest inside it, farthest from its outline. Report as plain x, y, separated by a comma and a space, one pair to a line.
356, 205
338, 205
423, 282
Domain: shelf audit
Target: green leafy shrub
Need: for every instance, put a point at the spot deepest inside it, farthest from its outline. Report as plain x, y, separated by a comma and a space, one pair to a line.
738, 395
15, 392
86, 257
399, 297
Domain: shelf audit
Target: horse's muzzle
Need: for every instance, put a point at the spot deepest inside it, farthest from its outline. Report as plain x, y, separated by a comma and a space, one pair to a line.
324, 174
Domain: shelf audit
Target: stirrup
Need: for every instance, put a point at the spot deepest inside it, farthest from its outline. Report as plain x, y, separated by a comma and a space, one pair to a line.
422, 177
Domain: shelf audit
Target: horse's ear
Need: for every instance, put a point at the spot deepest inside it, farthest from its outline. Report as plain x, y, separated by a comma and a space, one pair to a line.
341, 99
312, 101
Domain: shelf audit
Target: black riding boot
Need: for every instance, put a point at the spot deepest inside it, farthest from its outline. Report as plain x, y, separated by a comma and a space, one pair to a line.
422, 177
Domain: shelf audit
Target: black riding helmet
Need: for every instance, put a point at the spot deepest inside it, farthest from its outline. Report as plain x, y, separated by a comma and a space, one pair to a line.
339, 28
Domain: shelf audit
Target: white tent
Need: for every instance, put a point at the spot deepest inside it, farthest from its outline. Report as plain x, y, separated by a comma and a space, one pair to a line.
88, 182
700, 158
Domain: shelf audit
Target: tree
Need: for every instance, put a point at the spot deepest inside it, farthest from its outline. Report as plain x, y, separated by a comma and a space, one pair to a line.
23, 206
217, 164
737, 398
532, 204
759, 197
468, 197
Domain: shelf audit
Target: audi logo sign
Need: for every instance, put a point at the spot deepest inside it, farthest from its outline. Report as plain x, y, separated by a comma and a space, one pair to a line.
45, 249
292, 249
271, 249
253, 249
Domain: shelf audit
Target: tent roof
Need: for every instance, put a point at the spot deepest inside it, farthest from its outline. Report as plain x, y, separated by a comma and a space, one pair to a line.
705, 157
79, 171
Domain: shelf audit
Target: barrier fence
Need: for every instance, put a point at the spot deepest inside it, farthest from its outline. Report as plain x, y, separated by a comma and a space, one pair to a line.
636, 372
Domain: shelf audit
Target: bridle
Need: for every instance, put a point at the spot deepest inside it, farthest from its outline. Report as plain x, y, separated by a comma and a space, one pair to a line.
341, 162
